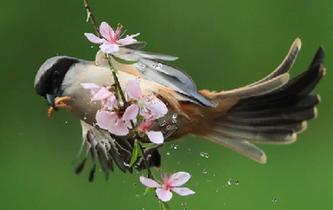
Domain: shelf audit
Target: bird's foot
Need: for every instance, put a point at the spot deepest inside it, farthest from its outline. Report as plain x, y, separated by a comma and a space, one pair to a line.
59, 102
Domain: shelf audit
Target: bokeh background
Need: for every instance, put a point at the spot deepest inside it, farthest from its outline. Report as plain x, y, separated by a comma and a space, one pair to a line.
222, 44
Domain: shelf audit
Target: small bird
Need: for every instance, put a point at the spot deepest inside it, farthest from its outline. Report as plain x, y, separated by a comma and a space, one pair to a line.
272, 110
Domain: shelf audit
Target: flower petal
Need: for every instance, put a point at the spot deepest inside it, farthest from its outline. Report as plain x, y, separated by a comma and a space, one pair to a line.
183, 191
110, 102
89, 86
149, 182
101, 94
93, 38
106, 31
119, 128
157, 108
105, 119
130, 113
163, 195
128, 39
179, 178
133, 89
108, 48
155, 136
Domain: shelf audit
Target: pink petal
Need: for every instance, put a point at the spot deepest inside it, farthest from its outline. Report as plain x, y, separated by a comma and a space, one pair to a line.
157, 108
128, 39
183, 191
179, 178
89, 86
93, 38
106, 31
133, 89
105, 119
119, 128
108, 48
111, 122
149, 182
155, 136
163, 195
110, 102
101, 94
145, 125
131, 113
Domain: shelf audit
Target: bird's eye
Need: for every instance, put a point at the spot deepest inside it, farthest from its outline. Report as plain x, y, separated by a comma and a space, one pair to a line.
56, 73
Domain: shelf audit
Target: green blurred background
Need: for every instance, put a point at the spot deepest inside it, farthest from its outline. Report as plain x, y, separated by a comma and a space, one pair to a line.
222, 44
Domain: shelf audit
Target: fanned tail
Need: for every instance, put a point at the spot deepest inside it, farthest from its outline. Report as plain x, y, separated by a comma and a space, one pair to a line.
270, 111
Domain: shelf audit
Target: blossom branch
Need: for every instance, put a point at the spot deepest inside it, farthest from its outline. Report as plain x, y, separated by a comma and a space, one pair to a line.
134, 114
91, 17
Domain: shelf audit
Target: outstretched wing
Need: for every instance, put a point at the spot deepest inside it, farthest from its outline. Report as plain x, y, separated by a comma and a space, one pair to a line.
152, 66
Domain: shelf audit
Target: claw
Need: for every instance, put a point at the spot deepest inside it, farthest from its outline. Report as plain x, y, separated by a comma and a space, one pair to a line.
60, 102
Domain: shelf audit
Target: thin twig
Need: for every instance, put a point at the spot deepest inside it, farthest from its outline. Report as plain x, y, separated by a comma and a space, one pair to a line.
145, 161
91, 17
116, 80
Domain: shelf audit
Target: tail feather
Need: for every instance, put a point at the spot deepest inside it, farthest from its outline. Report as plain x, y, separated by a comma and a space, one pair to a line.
239, 145
270, 111
286, 64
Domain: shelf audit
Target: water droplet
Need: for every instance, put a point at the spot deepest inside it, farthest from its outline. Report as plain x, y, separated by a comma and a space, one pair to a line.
174, 146
174, 118
204, 171
66, 122
168, 153
92, 46
274, 200
163, 123
85, 118
204, 155
236, 182
230, 182
168, 127
140, 66
159, 66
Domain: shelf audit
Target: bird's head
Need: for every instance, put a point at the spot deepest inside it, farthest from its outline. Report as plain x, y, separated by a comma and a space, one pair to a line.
50, 76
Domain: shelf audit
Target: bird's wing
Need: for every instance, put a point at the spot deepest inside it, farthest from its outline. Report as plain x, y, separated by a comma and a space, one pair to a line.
151, 66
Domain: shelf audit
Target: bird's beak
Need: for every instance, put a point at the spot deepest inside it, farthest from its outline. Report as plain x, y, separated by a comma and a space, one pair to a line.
50, 98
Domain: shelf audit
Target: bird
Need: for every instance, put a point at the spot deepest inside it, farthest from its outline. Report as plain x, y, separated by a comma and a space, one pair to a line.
272, 110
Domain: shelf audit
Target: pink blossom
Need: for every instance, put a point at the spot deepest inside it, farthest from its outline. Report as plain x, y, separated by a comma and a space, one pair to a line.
154, 136
111, 40
101, 93
150, 107
170, 183
113, 123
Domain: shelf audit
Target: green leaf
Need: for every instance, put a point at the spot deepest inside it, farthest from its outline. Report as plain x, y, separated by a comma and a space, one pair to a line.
123, 60
135, 153
164, 206
147, 190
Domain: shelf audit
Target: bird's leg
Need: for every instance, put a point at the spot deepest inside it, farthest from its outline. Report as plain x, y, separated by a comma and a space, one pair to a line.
60, 102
